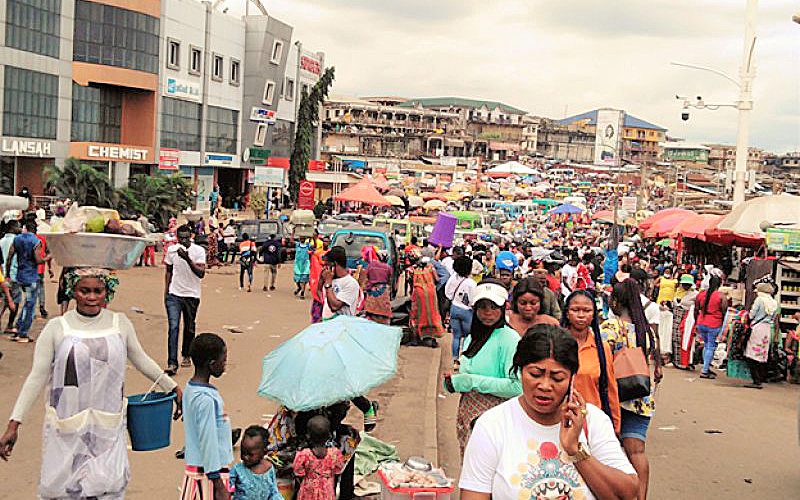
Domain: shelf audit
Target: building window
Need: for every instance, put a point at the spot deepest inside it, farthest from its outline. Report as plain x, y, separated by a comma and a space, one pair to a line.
269, 92
222, 126
288, 89
261, 134
30, 103
195, 60
180, 124
217, 68
34, 26
173, 53
235, 78
96, 114
115, 37
277, 52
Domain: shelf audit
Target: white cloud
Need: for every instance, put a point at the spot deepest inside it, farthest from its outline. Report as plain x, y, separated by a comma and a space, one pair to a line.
546, 56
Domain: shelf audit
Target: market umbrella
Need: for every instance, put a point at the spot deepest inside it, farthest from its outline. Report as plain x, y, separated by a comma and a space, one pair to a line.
432, 196
746, 220
604, 216
695, 226
649, 221
394, 200
565, 208
396, 192
511, 168
381, 183
415, 201
362, 192
434, 205
330, 362
664, 226
664, 243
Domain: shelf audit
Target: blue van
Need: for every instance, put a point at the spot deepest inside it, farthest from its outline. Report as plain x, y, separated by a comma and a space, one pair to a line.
353, 239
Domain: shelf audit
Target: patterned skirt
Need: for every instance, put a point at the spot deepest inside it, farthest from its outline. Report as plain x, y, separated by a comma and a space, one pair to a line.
196, 486
471, 406
377, 305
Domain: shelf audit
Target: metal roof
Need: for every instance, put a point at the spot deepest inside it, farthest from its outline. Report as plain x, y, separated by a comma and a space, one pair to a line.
460, 102
630, 120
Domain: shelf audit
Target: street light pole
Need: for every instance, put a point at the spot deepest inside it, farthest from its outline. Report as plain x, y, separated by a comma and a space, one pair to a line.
745, 102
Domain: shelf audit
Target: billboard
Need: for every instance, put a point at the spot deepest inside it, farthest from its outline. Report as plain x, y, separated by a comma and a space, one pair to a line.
608, 138
269, 177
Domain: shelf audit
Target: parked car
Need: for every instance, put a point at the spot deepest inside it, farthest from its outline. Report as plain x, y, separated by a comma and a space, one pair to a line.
260, 230
353, 239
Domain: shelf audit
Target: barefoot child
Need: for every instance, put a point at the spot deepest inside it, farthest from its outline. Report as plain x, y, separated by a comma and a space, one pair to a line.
318, 465
206, 426
254, 477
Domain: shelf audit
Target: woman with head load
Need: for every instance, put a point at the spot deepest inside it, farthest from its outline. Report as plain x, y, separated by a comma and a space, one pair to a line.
81, 357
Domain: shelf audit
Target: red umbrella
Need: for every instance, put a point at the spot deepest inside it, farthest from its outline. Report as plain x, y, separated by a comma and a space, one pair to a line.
649, 221
604, 216
433, 196
381, 183
695, 226
363, 192
663, 226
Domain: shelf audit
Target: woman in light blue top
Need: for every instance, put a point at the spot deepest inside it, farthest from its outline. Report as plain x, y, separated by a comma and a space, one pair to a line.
484, 379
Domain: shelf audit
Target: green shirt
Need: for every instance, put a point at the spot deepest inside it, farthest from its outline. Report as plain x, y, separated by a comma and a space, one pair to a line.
489, 371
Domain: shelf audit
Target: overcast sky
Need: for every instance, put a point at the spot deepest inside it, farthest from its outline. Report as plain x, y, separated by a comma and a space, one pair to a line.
557, 58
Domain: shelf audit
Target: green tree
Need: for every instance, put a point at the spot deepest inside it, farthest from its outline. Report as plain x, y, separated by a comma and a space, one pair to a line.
159, 197
307, 118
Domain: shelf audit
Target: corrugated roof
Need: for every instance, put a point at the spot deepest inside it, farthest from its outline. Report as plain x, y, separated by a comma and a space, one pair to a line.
630, 120
462, 102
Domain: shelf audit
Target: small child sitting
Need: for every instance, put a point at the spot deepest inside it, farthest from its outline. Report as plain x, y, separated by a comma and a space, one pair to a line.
254, 477
318, 465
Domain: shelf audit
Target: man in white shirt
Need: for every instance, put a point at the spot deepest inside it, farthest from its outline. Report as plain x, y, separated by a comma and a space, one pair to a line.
341, 292
186, 266
569, 276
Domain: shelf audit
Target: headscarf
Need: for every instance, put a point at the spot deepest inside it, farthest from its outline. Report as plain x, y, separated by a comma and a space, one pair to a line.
764, 292
74, 275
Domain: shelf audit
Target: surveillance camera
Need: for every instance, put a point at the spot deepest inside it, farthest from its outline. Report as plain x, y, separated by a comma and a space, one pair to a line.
685, 116
699, 98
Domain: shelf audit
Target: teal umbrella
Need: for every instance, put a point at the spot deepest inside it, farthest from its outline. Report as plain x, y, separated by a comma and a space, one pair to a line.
329, 362
664, 243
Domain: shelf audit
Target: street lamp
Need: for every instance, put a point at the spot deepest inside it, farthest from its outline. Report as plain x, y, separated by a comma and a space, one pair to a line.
744, 103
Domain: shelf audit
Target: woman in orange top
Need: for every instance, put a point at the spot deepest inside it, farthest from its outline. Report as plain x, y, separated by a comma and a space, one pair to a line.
595, 378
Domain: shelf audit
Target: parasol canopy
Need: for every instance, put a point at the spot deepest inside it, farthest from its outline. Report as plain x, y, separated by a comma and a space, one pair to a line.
432, 196
649, 221
415, 201
695, 226
329, 362
363, 192
381, 183
396, 192
434, 205
663, 226
747, 220
394, 200
604, 216
511, 168
565, 208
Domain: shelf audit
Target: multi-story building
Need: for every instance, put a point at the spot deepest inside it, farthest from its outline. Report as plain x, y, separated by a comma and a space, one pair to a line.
722, 157
571, 143
379, 126
639, 139
494, 131
201, 96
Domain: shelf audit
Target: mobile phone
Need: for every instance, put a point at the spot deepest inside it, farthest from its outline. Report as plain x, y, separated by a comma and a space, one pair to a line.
570, 397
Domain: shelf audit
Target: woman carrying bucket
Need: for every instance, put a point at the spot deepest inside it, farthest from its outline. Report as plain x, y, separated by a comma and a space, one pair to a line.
82, 357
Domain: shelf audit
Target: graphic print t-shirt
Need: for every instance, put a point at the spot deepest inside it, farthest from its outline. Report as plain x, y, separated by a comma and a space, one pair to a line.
511, 456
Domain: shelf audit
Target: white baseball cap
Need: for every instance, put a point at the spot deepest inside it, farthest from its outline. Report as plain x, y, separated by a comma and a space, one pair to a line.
491, 291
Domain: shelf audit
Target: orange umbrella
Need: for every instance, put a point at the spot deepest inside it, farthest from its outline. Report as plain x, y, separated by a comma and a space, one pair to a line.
604, 216
664, 225
649, 221
381, 183
695, 226
363, 192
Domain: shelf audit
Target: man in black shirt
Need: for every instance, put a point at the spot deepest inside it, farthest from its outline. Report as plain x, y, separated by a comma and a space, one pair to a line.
271, 253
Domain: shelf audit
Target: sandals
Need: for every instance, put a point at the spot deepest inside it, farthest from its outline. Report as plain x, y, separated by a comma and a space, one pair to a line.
709, 375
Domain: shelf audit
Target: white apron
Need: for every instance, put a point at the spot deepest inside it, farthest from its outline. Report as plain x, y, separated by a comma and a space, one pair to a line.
84, 445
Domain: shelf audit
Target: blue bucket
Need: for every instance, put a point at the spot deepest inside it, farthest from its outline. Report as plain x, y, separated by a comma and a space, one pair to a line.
150, 420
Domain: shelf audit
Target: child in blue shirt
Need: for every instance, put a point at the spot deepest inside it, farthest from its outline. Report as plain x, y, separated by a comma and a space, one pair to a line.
254, 477
207, 427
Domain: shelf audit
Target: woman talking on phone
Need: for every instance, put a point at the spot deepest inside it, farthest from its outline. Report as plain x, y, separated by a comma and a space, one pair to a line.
570, 449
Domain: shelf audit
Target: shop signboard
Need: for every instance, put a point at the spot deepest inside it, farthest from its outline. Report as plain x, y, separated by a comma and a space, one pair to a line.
182, 89
218, 160
269, 177
169, 159
607, 139
256, 156
262, 115
316, 165
305, 198
26, 147
783, 240
310, 64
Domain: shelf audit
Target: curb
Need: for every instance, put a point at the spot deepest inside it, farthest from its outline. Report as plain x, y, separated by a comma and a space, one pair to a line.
430, 408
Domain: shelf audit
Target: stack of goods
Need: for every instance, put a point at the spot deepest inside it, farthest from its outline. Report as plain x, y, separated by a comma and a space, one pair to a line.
416, 475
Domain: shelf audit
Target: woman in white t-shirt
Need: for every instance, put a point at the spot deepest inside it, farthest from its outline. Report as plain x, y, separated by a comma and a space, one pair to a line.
546, 444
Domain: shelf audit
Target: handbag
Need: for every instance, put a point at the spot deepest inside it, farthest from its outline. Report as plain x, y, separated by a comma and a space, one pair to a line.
632, 373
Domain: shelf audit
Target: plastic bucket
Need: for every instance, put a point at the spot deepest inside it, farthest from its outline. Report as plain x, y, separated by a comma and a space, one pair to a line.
286, 488
150, 420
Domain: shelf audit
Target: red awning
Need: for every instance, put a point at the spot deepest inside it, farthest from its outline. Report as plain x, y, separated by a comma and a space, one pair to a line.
604, 216
649, 221
695, 226
664, 226
363, 192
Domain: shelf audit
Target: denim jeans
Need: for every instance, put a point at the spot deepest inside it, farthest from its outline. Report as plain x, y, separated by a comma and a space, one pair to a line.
709, 336
177, 307
248, 268
26, 318
460, 323
40, 296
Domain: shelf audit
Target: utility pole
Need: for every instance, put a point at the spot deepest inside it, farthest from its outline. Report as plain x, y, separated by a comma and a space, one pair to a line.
745, 102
